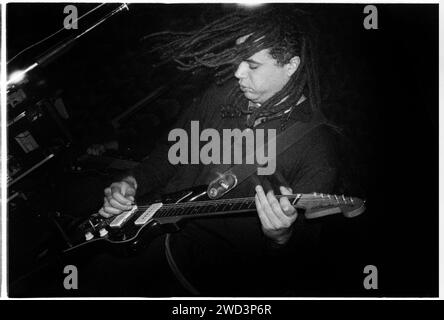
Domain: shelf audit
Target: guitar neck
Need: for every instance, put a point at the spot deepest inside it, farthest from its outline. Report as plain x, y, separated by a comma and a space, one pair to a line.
207, 208
238, 205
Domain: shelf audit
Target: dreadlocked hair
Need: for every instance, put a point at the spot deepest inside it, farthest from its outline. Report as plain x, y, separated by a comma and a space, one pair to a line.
286, 33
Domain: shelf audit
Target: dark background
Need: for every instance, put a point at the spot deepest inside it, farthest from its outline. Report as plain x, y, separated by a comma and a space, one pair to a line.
380, 86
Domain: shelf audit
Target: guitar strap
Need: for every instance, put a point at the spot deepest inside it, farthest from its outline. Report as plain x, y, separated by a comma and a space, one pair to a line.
229, 176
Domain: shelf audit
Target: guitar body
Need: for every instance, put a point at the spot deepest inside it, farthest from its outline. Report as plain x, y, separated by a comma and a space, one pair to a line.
131, 238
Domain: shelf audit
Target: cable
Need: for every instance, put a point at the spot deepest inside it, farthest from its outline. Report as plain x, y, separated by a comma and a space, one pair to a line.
53, 34
176, 269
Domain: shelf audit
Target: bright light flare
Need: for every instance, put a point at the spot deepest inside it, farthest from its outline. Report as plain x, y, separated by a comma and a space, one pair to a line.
250, 4
18, 75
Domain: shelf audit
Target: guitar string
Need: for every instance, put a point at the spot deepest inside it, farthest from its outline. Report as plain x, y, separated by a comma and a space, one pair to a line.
181, 210
338, 200
222, 207
248, 203
302, 197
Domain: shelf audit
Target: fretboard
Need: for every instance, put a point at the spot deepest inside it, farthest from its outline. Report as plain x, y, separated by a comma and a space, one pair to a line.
223, 206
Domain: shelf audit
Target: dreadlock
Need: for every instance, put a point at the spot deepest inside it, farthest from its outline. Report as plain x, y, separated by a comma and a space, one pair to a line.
286, 33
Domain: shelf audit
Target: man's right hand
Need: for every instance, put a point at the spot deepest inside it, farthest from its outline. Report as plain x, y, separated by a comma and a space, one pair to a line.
119, 197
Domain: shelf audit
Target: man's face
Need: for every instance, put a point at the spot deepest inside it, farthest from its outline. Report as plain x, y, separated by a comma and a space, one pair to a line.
260, 76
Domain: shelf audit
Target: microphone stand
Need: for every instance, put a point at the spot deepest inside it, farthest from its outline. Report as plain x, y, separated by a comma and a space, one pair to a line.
52, 53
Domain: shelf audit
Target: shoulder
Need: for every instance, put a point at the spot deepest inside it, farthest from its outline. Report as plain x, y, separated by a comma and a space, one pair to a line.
320, 145
324, 134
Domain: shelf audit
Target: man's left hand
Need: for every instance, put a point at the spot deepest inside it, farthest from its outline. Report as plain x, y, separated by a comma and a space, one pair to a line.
277, 216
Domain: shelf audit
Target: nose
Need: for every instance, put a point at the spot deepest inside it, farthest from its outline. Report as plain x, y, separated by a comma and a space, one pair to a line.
241, 70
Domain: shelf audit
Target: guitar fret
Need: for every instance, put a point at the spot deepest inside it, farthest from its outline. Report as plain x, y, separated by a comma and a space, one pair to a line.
195, 210
161, 213
173, 212
215, 207
241, 205
227, 206
205, 209
236, 205
245, 204
186, 210
219, 207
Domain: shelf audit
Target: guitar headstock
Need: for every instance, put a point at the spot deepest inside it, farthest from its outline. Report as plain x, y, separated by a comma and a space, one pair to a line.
318, 205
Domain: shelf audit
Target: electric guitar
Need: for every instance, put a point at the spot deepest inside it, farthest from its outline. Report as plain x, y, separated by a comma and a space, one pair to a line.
134, 228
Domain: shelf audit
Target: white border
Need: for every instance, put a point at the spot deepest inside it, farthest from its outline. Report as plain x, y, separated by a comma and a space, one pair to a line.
3, 223
441, 145
250, 2
4, 150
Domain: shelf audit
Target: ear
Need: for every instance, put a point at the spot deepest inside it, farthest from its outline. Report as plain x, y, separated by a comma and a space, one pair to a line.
293, 65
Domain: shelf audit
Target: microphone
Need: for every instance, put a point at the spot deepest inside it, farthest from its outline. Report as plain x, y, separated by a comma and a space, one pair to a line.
51, 54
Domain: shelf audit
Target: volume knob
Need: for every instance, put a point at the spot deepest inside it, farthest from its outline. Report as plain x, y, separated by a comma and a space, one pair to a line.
103, 232
89, 236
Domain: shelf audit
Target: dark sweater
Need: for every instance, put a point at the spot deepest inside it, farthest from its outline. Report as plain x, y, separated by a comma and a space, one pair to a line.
307, 166
237, 244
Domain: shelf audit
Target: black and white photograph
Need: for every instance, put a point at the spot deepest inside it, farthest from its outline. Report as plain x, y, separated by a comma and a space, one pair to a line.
159, 150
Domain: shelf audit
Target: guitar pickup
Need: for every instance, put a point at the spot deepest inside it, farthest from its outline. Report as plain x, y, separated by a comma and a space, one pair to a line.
146, 216
122, 218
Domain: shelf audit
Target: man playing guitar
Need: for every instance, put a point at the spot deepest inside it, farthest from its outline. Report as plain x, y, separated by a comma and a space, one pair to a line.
276, 85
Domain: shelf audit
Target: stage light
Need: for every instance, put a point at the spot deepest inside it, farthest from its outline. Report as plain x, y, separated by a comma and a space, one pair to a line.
18, 75
251, 4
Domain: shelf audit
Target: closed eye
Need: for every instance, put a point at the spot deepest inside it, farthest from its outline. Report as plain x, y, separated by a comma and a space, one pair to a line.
252, 64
